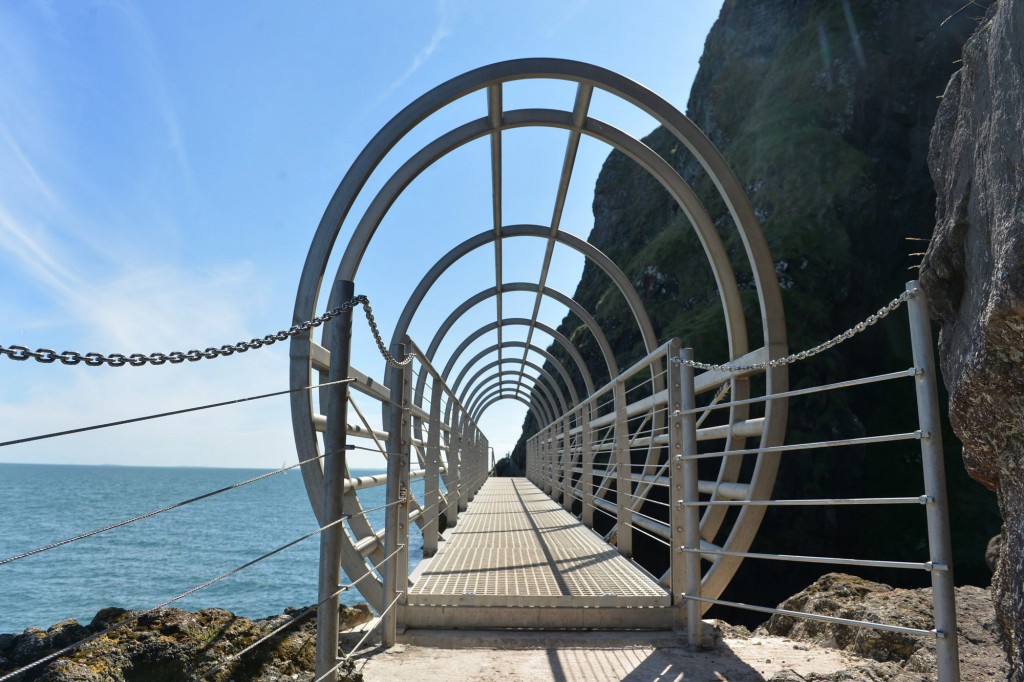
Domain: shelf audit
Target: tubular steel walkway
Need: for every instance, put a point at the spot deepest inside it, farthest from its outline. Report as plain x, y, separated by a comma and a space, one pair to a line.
516, 547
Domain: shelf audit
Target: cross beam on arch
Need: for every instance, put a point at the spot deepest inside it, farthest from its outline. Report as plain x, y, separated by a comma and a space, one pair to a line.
768, 342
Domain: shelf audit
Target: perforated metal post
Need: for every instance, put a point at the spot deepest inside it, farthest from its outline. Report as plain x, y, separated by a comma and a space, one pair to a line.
567, 494
691, 512
677, 495
451, 510
334, 484
431, 488
587, 459
396, 520
937, 510
623, 486
462, 458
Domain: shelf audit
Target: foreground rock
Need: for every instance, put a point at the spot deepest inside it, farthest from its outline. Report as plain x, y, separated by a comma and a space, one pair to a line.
900, 657
974, 275
172, 645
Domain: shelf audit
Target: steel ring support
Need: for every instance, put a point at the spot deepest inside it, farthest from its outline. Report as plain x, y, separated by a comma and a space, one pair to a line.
549, 381
559, 368
550, 401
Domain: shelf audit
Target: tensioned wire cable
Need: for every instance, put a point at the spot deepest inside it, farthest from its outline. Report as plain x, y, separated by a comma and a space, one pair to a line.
212, 581
169, 507
297, 618
197, 408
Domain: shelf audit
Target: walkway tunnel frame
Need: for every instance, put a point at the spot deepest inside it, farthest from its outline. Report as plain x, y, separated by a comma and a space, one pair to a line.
304, 370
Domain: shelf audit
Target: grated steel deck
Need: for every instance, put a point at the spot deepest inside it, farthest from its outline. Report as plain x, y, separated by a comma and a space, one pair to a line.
515, 546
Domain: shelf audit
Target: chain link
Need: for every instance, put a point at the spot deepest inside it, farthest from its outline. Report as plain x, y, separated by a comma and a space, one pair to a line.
376, 336
804, 354
70, 357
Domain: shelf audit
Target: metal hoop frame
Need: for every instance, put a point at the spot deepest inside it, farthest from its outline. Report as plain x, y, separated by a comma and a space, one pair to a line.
577, 122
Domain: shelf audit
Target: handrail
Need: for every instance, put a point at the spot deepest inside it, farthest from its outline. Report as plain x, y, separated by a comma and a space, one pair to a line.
606, 454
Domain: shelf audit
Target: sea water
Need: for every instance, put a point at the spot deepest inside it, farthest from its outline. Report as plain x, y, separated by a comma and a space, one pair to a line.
147, 562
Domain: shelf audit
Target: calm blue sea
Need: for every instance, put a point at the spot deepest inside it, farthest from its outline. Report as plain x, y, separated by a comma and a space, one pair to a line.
142, 564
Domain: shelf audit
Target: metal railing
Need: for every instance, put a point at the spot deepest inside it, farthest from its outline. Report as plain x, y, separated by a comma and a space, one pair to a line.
438, 436
634, 454
451, 459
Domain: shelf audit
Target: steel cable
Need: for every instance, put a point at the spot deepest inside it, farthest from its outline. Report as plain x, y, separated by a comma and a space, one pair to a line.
178, 505
147, 515
295, 619
135, 616
172, 413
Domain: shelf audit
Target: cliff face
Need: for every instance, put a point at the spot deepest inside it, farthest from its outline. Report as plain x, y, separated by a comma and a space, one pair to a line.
824, 109
974, 275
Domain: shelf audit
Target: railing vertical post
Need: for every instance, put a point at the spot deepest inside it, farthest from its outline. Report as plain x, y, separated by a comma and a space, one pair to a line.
464, 461
396, 519
451, 510
542, 456
552, 459
431, 488
587, 459
474, 462
334, 485
623, 469
685, 465
567, 494
531, 460
937, 510
677, 492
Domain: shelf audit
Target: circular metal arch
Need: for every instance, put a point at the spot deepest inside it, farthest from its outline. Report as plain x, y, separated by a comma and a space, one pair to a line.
496, 378
555, 362
731, 192
552, 385
560, 339
497, 397
530, 287
586, 249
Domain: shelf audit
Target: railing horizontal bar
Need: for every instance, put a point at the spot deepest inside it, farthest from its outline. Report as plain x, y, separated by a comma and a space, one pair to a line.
366, 545
376, 480
656, 354
707, 381
922, 499
866, 440
320, 425
632, 410
727, 489
926, 566
743, 429
812, 616
912, 371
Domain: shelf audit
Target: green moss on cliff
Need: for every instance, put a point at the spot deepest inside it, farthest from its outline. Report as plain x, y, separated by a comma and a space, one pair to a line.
824, 114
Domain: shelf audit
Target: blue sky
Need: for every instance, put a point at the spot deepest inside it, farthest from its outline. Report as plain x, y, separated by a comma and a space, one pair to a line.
165, 166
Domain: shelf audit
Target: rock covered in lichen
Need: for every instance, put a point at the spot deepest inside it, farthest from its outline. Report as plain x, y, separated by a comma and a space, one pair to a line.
902, 657
171, 645
974, 274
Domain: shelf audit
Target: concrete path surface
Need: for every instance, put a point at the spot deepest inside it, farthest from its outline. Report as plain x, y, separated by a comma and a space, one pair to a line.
486, 656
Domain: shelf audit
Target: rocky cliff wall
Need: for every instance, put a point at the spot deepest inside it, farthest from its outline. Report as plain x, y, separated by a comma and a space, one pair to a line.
974, 275
824, 109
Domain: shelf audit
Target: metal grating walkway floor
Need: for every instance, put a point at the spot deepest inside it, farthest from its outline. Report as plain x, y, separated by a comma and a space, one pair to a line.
515, 546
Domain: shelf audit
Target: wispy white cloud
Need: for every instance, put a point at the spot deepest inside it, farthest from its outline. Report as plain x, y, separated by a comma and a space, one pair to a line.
25, 165
156, 79
30, 250
144, 309
570, 12
442, 31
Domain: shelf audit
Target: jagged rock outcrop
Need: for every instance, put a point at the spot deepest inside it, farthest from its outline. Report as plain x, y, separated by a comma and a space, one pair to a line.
171, 645
974, 274
824, 111
901, 657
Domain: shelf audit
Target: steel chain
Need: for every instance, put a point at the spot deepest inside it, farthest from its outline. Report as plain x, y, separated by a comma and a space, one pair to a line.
70, 357
804, 354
